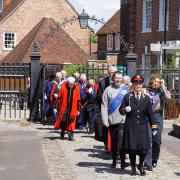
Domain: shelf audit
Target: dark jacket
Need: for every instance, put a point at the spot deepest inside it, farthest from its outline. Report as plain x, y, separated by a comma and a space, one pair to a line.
102, 85
136, 123
99, 129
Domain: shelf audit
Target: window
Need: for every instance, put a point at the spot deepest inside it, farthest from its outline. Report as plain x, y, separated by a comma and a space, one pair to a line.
9, 40
117, 43
162, 14
124, 1
1, 5
147, 15
110, 42
179, 19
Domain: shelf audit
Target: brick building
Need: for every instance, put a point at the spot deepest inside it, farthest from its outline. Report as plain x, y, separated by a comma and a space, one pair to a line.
146, 26
19, 17
141, 22
109, 42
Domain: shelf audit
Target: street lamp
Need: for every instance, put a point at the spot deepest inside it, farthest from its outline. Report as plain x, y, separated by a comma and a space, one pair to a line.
83, 20
130, 57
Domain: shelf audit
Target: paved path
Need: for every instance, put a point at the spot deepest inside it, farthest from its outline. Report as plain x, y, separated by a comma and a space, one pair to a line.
20, 155
83, 159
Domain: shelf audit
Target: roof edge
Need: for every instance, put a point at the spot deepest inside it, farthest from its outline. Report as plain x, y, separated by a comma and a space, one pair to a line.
12, 11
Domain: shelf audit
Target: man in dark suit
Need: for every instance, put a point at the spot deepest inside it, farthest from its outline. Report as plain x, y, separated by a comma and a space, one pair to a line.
101, 132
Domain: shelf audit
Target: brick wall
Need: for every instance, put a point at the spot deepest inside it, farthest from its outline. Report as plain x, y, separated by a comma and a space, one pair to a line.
144, 39
30, 12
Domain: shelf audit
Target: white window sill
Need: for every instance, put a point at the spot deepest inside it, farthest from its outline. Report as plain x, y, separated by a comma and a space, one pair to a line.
146, 31
159, 30
7, 49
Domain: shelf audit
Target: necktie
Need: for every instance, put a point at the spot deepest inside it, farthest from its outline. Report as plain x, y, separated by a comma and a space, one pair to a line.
138, 96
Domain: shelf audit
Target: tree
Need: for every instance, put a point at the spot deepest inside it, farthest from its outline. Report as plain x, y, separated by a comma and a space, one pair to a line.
94, 38
174, 60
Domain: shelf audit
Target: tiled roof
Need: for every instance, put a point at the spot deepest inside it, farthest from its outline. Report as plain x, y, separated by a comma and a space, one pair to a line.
58, 48
113, 22
9, 8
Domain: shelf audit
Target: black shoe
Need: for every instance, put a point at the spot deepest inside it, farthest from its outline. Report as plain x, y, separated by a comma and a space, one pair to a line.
124, 165
71, 138
149, 168
113, 166
62, 136
90, 131
133, 172
141, 170
154, 164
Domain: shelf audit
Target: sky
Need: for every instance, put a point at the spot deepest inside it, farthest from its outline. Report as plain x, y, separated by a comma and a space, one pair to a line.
100, 8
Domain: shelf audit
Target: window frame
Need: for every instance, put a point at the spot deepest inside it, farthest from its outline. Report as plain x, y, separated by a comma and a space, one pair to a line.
179, 18
110, 41
1, 9
117, 42
162, 15
5, 48
145, 15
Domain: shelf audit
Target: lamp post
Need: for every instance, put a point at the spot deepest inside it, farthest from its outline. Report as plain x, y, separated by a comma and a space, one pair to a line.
130, 57
165, 27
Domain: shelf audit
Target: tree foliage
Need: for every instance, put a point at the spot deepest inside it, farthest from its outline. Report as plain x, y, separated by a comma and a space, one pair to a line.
94, 38
71, 69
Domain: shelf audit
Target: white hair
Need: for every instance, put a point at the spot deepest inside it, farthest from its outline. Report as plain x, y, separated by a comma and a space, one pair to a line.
70, 80
58, 74
83, 77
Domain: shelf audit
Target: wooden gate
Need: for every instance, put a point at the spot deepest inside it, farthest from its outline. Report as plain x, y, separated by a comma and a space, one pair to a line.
14, 91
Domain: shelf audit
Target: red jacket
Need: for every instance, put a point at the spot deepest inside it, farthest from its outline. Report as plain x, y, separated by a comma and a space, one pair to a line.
62, 103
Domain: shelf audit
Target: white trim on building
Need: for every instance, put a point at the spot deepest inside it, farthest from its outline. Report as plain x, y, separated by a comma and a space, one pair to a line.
109, 42
162, 15
1, 5
147, 16
9, 40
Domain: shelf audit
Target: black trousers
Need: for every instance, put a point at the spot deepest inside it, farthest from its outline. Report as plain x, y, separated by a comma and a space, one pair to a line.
63, 126
132, 157
90, 120
155, 151
116, 132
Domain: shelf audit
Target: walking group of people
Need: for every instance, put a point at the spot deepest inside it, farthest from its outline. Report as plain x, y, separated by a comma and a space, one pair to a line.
124, 114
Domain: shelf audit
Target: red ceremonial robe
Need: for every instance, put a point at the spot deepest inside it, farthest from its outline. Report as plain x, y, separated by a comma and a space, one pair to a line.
62, 103
51, 97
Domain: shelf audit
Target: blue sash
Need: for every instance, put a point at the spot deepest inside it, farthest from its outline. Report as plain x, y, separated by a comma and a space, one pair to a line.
116, 102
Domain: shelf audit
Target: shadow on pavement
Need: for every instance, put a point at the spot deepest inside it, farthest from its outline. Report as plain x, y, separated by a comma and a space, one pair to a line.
103, 167
52, 138
171, 133
96, 153
177, 173
45, 128
88, 136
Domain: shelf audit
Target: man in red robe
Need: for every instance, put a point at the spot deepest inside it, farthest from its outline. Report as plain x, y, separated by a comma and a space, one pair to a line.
68, 103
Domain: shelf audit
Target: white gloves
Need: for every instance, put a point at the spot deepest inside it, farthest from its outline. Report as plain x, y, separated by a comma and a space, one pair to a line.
128, 108
55, 95
154, 132
90, 90
106, 124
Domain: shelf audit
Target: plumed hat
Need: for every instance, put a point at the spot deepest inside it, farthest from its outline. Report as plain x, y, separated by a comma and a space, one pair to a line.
137, 79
